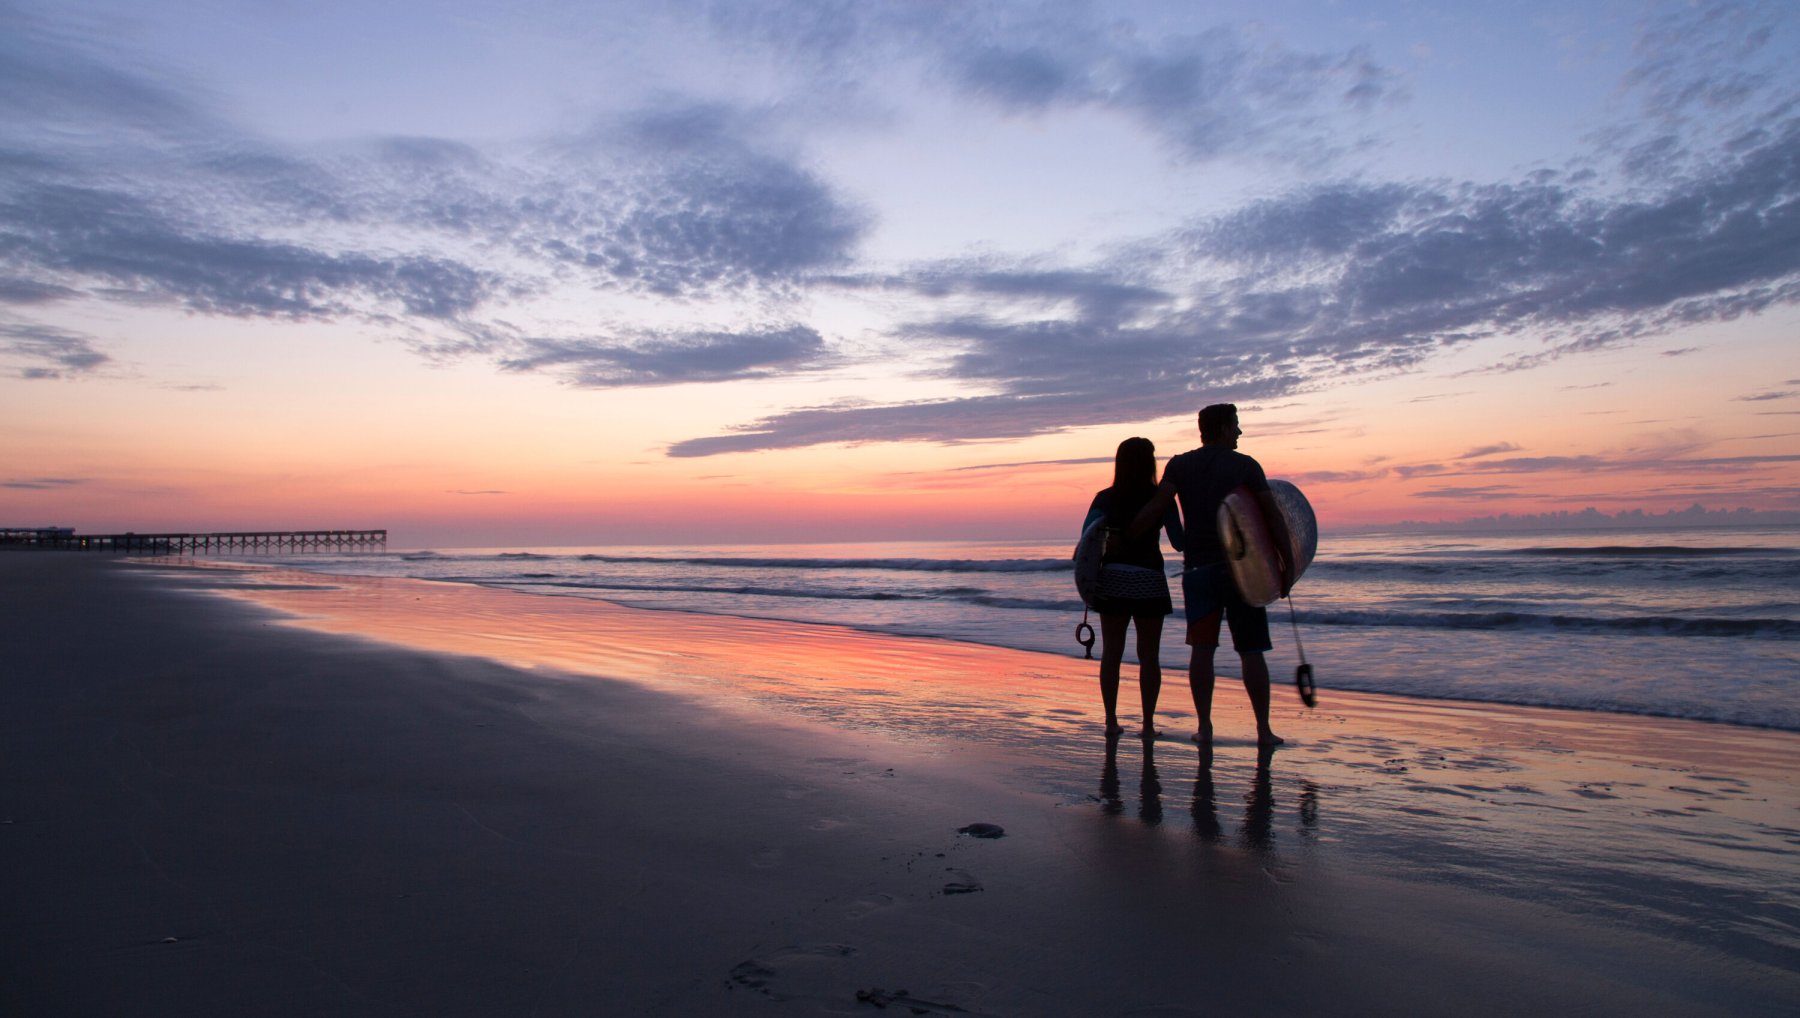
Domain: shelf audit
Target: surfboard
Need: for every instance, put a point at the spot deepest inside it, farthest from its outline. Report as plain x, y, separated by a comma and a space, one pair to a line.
1250, 550
1088, 552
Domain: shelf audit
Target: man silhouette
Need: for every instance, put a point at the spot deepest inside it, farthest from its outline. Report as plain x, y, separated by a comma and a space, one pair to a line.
1202, 478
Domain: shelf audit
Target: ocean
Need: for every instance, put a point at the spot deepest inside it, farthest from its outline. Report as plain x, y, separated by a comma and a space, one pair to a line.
1701, 623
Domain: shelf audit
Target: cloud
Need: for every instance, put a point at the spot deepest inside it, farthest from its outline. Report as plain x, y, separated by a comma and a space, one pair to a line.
1208, 95
1478, 463
1489, 491
1773, 394
45, 77
1488, 450
1300, 290
1704, 59
1664, 465
1338, 476
117, 183
1079, 461
121, 183
696, 208
1220, 92
24, 292
125, 248
662, 359
47, 352
42, 483
1707, 75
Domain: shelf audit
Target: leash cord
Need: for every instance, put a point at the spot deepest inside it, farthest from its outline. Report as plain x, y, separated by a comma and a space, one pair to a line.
1301, 647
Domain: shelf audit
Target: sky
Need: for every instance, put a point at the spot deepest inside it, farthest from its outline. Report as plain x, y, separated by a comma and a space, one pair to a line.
550, 273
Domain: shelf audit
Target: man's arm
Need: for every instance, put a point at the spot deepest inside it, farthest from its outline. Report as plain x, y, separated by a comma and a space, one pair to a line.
1278, 532
1151, 515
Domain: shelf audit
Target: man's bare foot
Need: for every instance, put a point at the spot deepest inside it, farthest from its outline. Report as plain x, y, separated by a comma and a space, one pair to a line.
1147, 732
1269, 739
1204, 735
1114, 728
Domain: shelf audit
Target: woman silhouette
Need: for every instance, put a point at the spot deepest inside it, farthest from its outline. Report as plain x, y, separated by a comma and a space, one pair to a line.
1133, 586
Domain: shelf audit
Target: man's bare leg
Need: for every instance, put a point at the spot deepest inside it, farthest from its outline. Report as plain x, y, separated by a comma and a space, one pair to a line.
1200, 681
1256, 683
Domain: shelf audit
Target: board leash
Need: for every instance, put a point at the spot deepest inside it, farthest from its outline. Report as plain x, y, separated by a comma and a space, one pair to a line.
1087, 644
1303, 675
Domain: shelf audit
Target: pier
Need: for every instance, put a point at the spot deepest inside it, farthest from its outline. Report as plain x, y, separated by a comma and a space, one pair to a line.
250, 542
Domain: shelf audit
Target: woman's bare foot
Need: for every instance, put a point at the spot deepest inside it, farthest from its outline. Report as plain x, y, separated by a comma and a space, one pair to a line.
1267, 738
1113, 727
1204, 735
1148, 732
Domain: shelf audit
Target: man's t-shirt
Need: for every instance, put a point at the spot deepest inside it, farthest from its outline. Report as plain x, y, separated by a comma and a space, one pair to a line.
1202, 478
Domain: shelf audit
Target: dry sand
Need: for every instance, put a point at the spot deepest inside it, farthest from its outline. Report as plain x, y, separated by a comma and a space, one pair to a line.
403, 798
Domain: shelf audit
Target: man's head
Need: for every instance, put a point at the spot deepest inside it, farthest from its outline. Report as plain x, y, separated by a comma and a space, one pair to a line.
1219, 425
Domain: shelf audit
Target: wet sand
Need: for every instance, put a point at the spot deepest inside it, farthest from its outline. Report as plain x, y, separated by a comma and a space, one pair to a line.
391, 797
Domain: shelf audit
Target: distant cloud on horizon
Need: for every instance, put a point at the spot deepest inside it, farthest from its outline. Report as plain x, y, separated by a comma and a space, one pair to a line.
42, 483
1590, 517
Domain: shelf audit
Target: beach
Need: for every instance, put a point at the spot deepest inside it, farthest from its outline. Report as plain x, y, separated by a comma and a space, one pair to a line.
251, 791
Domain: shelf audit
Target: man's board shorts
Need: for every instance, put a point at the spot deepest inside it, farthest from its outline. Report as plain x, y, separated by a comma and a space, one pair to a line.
1206, 591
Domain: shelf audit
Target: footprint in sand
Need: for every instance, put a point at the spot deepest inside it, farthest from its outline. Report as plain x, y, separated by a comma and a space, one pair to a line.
795, 972
869, 905
961, 882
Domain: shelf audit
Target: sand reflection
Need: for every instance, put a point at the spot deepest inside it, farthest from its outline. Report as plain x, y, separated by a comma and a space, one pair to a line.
1664, 824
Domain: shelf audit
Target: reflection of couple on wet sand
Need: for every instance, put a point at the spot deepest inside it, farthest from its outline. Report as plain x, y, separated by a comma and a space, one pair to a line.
1134, 591
1259, 801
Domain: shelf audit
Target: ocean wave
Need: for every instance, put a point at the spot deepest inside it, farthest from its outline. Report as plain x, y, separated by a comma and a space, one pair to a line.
908, 565
1592, 570
1646, 551
1713, 711
1390, 567
1647, 625
969, 594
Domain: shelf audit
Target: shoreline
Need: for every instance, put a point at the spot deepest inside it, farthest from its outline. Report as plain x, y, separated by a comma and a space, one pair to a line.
1655, 665
221, 807
1172, 671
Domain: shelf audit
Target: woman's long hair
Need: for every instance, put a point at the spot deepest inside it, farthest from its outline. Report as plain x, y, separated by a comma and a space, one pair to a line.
1134, 471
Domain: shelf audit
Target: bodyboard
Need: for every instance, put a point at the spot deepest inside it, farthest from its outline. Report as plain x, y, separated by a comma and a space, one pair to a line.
1249, 549
1088, 554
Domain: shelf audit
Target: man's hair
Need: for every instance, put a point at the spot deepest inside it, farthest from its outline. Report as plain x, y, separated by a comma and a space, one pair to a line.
1217, 419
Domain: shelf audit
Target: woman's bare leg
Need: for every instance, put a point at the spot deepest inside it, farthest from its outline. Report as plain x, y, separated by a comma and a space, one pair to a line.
1112, 652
